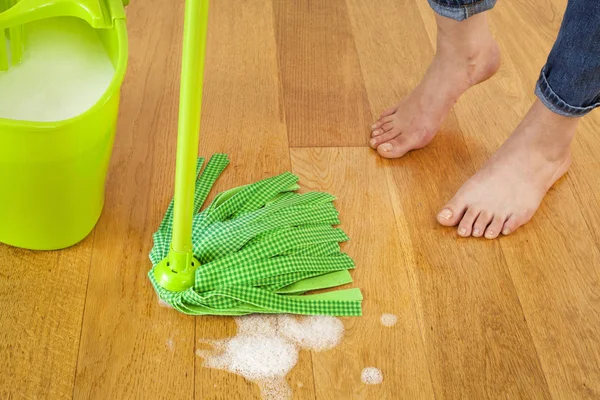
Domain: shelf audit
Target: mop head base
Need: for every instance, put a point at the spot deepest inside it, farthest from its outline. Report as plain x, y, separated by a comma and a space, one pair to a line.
262, 248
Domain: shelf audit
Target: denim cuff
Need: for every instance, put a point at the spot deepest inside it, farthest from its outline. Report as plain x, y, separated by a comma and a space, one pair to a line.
460, 10
553, 101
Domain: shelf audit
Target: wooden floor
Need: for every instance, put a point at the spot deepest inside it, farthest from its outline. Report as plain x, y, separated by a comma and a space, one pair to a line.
296, 85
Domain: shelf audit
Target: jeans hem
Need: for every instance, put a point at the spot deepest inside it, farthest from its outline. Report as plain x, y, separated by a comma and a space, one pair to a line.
553, 101
460, 12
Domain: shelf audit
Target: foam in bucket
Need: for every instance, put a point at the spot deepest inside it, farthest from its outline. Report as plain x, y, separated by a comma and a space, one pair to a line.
64, 72
266, 348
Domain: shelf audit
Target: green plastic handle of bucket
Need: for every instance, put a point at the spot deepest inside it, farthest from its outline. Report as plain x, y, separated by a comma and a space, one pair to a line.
100, 14
176, 272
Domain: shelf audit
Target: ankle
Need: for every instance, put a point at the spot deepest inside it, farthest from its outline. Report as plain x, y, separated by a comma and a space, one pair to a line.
468, 47
465, 37
549, 132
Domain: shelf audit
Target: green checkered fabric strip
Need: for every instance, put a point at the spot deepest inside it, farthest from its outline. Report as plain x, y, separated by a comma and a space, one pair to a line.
255, 241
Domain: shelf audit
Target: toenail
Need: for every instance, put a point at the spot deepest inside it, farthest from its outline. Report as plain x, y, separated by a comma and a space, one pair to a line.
475, 232
376, 133
506, 231
373, 126
386, 147
446, 214
462, 231
489, 234
373, 142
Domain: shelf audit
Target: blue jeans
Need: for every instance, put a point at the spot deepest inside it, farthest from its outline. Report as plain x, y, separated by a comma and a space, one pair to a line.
569, 83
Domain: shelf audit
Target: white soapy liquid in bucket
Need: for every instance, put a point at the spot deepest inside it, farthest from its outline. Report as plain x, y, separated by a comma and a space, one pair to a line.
266, 348
371, 376
64, 72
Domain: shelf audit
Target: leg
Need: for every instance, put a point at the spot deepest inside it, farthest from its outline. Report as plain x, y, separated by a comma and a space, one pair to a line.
508, 190
466, 55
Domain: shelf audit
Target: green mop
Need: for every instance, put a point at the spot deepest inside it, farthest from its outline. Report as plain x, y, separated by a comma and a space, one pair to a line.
259, 248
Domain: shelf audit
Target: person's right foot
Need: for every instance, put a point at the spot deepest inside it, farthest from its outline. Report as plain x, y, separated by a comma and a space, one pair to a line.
466, 55
507, 191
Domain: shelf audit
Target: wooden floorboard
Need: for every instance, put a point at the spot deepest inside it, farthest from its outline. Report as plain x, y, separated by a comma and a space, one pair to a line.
126, 348
295, 85
583, 176
558, 293
42, 298
559, 284
358, 181
325, 99
243, 117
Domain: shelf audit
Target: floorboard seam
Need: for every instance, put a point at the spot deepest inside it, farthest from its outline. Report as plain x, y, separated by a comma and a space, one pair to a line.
87, 285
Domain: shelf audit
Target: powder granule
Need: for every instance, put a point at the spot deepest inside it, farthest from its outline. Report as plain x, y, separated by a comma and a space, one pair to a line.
388, 320
371, 376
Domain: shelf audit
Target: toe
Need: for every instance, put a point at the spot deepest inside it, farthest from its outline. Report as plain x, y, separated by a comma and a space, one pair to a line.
465, 227
383, 137
382, 126
495, 227
481, 223
389, 112
380, 122
396, 147
388, 126
511, 225
452, 213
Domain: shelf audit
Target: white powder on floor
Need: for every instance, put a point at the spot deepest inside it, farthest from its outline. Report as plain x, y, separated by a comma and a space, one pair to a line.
388, 320
266, 348
314, 333
64, 72
255, 357
371, 376
257, 325
171, 344
275, 388
163, 303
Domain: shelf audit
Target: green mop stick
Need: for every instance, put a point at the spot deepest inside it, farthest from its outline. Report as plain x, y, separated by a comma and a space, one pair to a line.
177, 271
192, 76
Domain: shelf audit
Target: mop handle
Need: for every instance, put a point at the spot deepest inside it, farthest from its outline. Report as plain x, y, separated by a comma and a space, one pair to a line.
190, 103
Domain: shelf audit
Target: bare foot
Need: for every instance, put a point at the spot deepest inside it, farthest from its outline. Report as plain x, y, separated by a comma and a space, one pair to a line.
509, 188
466, 55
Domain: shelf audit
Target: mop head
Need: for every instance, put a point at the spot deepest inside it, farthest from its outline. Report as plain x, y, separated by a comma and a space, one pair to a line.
262, 248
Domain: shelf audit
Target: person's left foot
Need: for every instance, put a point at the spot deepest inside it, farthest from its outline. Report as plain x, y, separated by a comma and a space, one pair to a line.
510, 187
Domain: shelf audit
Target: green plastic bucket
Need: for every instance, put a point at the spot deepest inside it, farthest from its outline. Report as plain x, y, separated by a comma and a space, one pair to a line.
53, 174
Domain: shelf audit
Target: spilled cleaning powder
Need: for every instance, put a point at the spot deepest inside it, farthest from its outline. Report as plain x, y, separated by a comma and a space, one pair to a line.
371, 376
171, 344
388, 320
314, 333
164, 304
266, 348
64, 72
